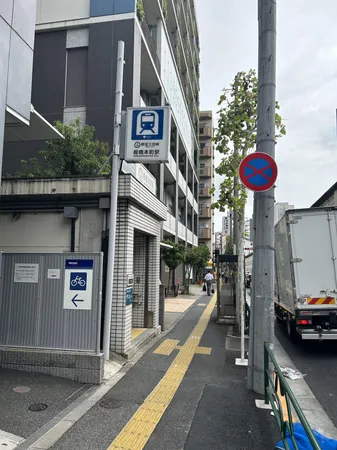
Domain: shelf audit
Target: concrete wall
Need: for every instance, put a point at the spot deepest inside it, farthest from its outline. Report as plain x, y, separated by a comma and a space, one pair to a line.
50, 232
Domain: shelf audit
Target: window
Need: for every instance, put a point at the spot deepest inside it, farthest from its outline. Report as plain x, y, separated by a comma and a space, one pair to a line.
76, 81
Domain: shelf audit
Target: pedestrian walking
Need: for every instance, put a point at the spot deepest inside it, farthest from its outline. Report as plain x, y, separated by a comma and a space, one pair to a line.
209, 279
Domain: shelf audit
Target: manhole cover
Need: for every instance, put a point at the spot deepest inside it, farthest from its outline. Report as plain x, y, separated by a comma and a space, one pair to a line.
110, 404
21, 389
38, 407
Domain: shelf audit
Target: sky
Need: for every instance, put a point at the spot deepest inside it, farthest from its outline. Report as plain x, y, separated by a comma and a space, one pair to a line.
306, 85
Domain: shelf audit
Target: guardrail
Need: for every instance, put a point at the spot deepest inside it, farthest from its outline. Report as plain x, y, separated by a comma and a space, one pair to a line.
275, 385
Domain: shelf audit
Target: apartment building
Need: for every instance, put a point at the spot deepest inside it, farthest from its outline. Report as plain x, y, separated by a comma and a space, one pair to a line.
19, 121
206, 213
74, 75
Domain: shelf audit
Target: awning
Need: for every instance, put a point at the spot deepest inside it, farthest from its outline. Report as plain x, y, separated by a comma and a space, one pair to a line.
39, 129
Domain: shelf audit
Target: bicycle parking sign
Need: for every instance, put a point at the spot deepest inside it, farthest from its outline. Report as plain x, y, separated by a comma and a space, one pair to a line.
78, 279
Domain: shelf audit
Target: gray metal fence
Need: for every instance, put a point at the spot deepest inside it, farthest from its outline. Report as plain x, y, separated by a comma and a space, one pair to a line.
51, 301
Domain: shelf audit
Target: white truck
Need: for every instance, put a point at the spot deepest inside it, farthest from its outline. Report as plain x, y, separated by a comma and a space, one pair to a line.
306, 273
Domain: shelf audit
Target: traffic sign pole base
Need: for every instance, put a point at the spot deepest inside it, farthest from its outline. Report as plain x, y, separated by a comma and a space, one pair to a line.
241, 362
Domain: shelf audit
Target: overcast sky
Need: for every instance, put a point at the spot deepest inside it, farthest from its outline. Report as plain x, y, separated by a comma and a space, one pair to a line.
306, 84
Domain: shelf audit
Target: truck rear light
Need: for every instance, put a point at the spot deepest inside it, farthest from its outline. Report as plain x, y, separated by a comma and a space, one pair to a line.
303, 322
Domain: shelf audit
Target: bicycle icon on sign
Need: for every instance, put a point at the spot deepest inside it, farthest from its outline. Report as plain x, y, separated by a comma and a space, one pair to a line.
78, 281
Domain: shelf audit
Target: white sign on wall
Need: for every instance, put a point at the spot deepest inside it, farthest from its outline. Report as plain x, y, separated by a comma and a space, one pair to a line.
78, 279
26, 273
148, 133
54, 274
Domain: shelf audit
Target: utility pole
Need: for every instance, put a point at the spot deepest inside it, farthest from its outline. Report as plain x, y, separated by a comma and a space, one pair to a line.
115, 162
263, 271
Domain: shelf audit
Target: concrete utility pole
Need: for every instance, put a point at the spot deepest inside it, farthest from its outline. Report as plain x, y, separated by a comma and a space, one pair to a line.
262, 329
113, 200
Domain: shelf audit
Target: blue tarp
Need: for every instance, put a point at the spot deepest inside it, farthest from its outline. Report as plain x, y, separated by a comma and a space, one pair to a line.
303, 442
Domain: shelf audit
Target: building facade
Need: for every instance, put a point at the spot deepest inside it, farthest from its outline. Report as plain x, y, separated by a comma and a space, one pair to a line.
74, 75
19, 121
329, 198
227, 224
280, 209
206, 213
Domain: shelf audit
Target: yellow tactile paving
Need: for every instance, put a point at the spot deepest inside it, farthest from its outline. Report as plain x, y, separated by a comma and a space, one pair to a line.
135, 332
138, 430
166, 347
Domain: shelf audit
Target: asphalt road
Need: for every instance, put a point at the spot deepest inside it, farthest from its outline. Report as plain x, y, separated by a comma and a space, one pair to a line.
319, 362
212, 408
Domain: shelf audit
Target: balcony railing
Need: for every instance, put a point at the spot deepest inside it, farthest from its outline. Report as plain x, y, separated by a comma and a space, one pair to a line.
206, 132
205, 213
206, 172
150, 43
206, 152
205, 192
205, 233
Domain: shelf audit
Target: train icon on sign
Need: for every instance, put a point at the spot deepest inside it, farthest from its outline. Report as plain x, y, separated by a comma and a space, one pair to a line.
147, 124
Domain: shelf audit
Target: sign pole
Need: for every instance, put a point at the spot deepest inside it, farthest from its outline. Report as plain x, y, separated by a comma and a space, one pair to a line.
113, 200
263, 292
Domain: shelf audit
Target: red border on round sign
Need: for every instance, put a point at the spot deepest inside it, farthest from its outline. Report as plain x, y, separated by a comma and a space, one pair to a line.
246, 182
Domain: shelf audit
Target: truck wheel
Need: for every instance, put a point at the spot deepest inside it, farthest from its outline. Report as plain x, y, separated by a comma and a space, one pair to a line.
291, 329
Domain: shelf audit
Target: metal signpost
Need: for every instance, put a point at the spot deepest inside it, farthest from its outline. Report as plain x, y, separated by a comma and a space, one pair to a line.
262, 308
78, 279
148, 132
113, 199
258, 173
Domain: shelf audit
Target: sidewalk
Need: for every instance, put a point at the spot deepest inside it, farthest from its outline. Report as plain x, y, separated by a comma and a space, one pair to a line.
184, 393
33, 404
176, 306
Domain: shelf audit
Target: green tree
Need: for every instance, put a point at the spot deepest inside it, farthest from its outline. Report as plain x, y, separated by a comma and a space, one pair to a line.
197, 258
235, 137
173, 257
75, 155
229, 245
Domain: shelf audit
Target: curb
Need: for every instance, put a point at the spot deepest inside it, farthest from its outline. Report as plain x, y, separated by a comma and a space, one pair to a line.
52, 431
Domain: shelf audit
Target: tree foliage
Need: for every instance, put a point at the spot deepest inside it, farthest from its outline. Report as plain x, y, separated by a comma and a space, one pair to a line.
78, 154
173, 257
229, 246
197, 258
236, 136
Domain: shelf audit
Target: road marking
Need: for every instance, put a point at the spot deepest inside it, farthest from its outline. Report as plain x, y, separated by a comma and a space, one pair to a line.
139, 429
201, 304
